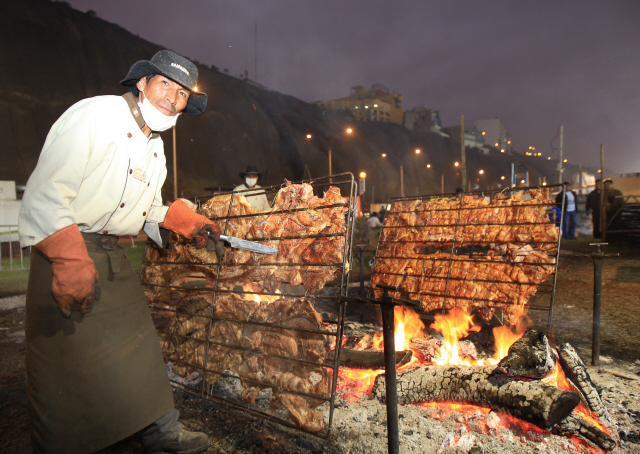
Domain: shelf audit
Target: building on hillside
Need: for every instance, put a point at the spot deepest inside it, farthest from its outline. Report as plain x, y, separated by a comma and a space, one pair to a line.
421, 119
376, 104
472, 137
495, 134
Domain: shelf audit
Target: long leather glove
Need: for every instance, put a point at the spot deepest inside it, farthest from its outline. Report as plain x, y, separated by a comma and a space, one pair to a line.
75, 283
191, 225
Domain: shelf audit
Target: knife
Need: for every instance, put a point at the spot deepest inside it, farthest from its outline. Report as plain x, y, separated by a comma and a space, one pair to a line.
239, 243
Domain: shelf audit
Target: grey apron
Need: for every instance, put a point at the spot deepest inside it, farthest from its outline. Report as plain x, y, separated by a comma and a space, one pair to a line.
96, 378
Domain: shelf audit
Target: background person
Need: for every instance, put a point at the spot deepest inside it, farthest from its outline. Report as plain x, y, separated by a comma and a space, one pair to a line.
257, 199
95, 371
570, 220
613, 200
593, 207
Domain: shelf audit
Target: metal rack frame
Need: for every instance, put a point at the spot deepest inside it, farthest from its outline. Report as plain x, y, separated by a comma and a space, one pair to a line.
204, 390
456, 246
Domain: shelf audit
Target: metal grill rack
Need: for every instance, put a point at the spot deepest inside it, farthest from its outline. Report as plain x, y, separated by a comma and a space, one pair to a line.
193, 301
461, 244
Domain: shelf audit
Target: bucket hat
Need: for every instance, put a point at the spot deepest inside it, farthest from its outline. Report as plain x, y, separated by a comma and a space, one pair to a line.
250, 170
174, 67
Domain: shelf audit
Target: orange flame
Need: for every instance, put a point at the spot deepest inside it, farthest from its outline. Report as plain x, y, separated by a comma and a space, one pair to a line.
453, 326
250, 287
408, 325
457, 324
506, 335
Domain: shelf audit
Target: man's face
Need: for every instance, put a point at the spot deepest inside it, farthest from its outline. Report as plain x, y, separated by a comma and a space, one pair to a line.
598, 185
251, 179
568, 187
164, 94
607, 185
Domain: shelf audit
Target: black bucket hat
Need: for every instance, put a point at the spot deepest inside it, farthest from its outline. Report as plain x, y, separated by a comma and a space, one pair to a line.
174, 67
250, 170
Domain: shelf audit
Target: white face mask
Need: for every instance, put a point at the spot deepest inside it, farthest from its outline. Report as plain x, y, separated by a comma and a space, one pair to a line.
156, 120
251, 182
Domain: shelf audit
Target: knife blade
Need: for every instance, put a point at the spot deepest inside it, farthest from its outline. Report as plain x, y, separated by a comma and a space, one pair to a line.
239, 243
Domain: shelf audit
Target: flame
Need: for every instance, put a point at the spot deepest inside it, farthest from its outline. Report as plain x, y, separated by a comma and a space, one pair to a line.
363, 344
378, 341
506, 335
453, 326
399, 337
408, 325
354, 384
558, 379
457, 324
251, 288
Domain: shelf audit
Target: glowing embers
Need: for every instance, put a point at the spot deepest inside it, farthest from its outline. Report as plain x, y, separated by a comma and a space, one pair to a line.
354, 384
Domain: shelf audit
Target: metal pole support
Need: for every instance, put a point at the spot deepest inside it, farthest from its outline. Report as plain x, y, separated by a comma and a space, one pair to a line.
597, 306
393, 437
597, 257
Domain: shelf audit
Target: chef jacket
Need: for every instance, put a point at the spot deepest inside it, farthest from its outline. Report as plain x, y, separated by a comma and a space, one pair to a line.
256, 199
99, 170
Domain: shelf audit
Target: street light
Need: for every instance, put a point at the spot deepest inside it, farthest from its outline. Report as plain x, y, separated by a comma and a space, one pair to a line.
384, 155
456, 163
347, 131
428, 166
481, 172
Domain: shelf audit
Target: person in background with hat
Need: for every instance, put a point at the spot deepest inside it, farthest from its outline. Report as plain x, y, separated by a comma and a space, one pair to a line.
257, 199
95, 371
593, 206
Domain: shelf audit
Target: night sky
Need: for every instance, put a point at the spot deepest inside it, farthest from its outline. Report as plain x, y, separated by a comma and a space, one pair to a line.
534, 64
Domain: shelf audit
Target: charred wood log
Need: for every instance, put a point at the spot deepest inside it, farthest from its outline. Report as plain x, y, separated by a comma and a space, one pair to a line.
367, 359
575, 425
577, 374
532, 401
530, 356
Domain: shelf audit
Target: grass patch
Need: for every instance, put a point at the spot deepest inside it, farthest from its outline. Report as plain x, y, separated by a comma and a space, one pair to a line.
136, 255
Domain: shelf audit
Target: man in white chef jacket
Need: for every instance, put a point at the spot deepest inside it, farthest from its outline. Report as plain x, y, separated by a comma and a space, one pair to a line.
95, 369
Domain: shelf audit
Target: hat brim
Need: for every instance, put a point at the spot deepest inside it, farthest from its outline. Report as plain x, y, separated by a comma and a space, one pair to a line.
242, 175
197, 102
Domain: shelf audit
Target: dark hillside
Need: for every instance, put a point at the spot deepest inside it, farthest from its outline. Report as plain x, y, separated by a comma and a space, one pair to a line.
52, 56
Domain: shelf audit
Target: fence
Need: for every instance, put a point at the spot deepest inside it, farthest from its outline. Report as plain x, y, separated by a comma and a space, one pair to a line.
12, 256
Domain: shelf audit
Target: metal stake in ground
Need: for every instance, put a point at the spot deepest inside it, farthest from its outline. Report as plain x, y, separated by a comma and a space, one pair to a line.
387, 307
597, 294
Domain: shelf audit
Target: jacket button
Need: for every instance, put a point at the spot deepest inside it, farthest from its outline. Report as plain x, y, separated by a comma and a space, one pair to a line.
105, 232
155, 155
122, 205
144, 213
130, 171
129, 135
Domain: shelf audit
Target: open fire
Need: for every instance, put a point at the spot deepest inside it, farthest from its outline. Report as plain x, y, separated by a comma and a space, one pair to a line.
354, 384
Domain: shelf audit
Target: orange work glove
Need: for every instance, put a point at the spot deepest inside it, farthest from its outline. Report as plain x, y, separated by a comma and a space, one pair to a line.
191, 225
75, 283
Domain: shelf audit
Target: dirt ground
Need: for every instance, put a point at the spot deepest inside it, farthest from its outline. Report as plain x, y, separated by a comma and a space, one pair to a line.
361, 427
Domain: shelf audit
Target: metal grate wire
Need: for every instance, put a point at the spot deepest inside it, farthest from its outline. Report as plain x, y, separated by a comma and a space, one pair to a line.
209, 288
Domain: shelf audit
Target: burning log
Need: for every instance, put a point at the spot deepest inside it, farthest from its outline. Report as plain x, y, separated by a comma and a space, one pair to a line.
531, 401
530, 357
368, 359
576, 424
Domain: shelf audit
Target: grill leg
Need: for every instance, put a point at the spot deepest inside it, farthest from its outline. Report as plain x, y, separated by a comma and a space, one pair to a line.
597, 294
390, 378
